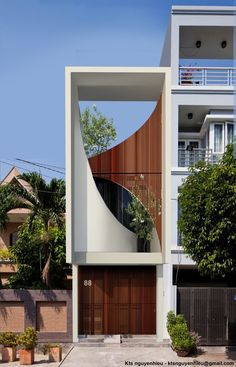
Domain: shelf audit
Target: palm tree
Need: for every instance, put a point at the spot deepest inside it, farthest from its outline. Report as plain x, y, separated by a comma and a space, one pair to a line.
46, 202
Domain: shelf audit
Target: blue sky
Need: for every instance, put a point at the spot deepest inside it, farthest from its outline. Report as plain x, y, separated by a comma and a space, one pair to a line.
38, 38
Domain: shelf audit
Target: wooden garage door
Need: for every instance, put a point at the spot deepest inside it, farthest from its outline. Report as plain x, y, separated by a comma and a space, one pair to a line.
117, 300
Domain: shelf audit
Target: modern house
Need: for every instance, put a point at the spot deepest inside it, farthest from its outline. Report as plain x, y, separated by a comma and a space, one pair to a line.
116, 288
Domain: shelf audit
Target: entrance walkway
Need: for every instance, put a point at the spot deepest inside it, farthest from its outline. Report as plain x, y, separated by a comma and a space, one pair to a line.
119, 356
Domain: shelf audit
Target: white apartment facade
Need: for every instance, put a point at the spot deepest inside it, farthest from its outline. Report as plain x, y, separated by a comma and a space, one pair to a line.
199, 48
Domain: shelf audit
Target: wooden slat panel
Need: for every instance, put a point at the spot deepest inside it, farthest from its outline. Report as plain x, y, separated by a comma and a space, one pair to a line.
211, 312
217, 321
98, 319
148, 318
199, 313
135, 318
121, 300
124, 319
231, 316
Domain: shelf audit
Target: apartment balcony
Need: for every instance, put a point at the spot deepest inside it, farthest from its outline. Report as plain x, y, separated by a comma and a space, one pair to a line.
188, 158
207, 76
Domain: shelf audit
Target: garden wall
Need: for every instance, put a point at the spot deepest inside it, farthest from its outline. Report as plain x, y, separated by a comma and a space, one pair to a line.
49, 311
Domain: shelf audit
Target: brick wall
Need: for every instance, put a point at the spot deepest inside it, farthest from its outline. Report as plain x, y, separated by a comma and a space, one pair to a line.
49, 311
12, 316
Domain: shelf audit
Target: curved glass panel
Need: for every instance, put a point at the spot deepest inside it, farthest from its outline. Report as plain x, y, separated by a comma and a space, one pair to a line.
117, 199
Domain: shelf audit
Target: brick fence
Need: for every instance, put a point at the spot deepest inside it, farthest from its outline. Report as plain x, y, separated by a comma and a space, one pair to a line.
49, 311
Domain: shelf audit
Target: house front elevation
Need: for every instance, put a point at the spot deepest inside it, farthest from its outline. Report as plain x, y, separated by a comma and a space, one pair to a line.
118, 282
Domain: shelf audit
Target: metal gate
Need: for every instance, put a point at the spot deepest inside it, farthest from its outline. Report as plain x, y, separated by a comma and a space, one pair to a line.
211, 312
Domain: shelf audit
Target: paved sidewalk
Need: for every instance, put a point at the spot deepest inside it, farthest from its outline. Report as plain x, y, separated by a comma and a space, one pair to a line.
117, 356
40, 361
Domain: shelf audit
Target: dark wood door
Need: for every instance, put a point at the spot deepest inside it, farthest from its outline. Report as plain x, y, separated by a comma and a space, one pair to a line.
117, 300
211, 312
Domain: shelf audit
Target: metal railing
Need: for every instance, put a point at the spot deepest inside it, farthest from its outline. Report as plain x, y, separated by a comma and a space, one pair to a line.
188, 158
223, 76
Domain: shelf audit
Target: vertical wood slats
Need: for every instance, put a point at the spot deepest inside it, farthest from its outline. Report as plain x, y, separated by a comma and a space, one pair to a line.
119, 301
211, 312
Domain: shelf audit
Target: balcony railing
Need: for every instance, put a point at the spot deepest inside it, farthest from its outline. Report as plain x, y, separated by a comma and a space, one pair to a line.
221, 76
188, 158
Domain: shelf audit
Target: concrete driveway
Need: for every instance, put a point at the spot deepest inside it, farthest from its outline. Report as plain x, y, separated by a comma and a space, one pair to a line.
119, 356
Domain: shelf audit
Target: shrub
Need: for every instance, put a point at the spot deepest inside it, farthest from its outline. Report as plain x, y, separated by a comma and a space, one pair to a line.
28, 339
8, 339
6, 254
181, 338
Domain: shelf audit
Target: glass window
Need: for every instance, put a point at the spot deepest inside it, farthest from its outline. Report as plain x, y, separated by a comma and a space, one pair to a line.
179, 239
218, 138
13, 238
181, 144
230, 133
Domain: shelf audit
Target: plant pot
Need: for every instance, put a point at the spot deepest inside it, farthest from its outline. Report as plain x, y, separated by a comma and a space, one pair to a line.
55, 354
26, 356
9, 354
143, 245
182, 353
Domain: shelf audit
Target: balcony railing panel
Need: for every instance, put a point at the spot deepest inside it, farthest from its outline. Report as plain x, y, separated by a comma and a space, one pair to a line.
221, 76
188, 158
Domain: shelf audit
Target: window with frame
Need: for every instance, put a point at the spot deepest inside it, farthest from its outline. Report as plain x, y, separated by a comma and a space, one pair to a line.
13, 238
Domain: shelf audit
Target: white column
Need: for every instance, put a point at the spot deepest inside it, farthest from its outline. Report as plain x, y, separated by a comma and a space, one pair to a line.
167, 296
75, 303
159, 302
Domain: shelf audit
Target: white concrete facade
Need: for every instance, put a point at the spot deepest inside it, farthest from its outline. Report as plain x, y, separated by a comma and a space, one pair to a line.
94, 235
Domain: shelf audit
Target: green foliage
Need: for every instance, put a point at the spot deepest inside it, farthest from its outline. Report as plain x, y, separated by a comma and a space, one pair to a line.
208, 211
141, 220
31, 254
6, 254
40, 249
8, 339
28, 339
181, 338
46, 347
98, 132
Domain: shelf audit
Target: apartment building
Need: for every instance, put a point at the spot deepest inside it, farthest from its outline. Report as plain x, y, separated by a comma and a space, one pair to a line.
199, 50
116, 288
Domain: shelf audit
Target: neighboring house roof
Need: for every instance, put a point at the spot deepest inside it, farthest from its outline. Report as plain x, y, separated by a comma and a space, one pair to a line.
19, 214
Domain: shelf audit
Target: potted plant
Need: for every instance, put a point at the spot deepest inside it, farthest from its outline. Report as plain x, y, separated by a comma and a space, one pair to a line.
182, 341
142, 224
9, 342
28, 341
55, 352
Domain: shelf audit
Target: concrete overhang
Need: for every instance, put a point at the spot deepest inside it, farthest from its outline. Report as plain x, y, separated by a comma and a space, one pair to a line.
204, 10
215, 117
118, 83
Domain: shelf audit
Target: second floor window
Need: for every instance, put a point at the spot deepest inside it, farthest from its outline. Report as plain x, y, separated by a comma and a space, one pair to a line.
13, 238
218, 138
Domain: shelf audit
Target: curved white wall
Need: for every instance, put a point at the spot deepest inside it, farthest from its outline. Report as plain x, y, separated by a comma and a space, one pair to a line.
103, 231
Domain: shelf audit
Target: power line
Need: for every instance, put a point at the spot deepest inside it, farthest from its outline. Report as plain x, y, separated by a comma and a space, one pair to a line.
45, 165
24, 169
39, 165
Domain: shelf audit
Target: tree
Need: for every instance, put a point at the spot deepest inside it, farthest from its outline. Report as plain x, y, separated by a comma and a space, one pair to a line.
30, 255
46, 202
208, 216
98, 132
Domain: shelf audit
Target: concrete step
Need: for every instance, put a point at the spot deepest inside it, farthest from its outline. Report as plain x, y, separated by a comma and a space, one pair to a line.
142, 341
93, 345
